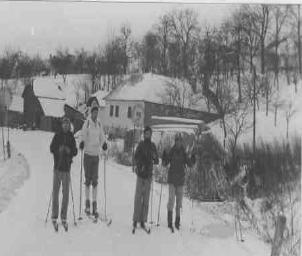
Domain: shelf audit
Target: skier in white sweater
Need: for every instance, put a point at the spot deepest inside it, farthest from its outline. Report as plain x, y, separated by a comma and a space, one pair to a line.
93, 138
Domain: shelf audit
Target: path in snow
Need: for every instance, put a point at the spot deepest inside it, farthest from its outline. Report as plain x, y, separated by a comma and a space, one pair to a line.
23, 232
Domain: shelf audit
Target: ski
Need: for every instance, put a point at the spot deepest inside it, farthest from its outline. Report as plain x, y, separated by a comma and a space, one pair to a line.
172, 229
147, 230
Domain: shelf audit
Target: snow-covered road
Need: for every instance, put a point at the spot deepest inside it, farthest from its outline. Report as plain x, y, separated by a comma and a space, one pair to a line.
23, 231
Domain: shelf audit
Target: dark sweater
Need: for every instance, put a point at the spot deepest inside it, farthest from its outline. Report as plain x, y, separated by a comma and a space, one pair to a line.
63, 160
178, 159
145, 156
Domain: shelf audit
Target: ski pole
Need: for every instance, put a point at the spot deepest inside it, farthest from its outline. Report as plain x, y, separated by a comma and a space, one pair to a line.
73, 211
151, 221
105, 195
48, 208
158, 214
81, 180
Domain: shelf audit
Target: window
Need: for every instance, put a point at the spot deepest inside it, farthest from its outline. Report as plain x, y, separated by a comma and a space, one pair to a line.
129, 112
117, 109
111, 110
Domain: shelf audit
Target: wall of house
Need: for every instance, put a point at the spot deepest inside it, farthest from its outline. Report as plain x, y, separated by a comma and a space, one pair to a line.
154, 109
32, 108
122, 120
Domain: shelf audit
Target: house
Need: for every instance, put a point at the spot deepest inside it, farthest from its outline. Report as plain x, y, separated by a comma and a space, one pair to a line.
43, 105
140, 101
15, 111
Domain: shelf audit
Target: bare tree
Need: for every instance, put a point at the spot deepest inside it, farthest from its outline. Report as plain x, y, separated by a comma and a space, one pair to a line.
277, 102
61, 62
237, 124
162, 30
125, 41
289, 111
184, 27
179, 93
280, 14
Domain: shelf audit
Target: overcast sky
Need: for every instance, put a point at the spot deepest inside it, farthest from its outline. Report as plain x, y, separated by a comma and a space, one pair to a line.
41, 27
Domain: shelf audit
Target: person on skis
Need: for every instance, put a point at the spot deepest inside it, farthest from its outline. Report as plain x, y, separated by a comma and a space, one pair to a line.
178, 159
93, 138
63, 147
144, 158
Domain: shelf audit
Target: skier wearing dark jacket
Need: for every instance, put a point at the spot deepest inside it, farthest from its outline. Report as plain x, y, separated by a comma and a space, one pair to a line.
145, 156
178, 160
63, 148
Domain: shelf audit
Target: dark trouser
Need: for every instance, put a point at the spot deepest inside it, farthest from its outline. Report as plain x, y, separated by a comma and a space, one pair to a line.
141, 201
91, 168
175, 191
58, 178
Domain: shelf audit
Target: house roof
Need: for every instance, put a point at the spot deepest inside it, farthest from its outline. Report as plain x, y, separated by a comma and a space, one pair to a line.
48, 87
100, 96
147, 87
52, 107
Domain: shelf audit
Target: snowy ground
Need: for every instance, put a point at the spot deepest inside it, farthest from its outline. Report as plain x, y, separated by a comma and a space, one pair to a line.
265, 128
23, 231
13, 173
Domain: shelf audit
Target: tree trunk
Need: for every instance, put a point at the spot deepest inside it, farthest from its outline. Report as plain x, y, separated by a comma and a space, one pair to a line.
267, 102
276, 54
299, 40
278, 238
224, 132
275, 119
262, 56
254, 111
287, 126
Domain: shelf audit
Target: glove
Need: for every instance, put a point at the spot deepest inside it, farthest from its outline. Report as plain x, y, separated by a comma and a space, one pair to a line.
104, 146
82, 145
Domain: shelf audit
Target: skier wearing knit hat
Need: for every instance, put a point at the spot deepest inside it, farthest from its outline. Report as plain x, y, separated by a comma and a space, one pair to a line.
63, 148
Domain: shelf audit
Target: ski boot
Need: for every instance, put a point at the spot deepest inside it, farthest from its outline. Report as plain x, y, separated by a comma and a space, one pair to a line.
55, 225
87, 207
170, 217
65, 225
177, 222
94, 210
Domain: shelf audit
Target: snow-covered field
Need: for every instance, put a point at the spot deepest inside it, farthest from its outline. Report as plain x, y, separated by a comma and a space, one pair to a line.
265, 128
23, 230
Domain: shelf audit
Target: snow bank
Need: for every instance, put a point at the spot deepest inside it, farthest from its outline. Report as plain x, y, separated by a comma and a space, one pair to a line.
13, 172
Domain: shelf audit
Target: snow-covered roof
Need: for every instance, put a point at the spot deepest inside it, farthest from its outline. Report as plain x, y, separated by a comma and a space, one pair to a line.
177, 119
48, 87
17, 104
146, 87
51, 107
100, 95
